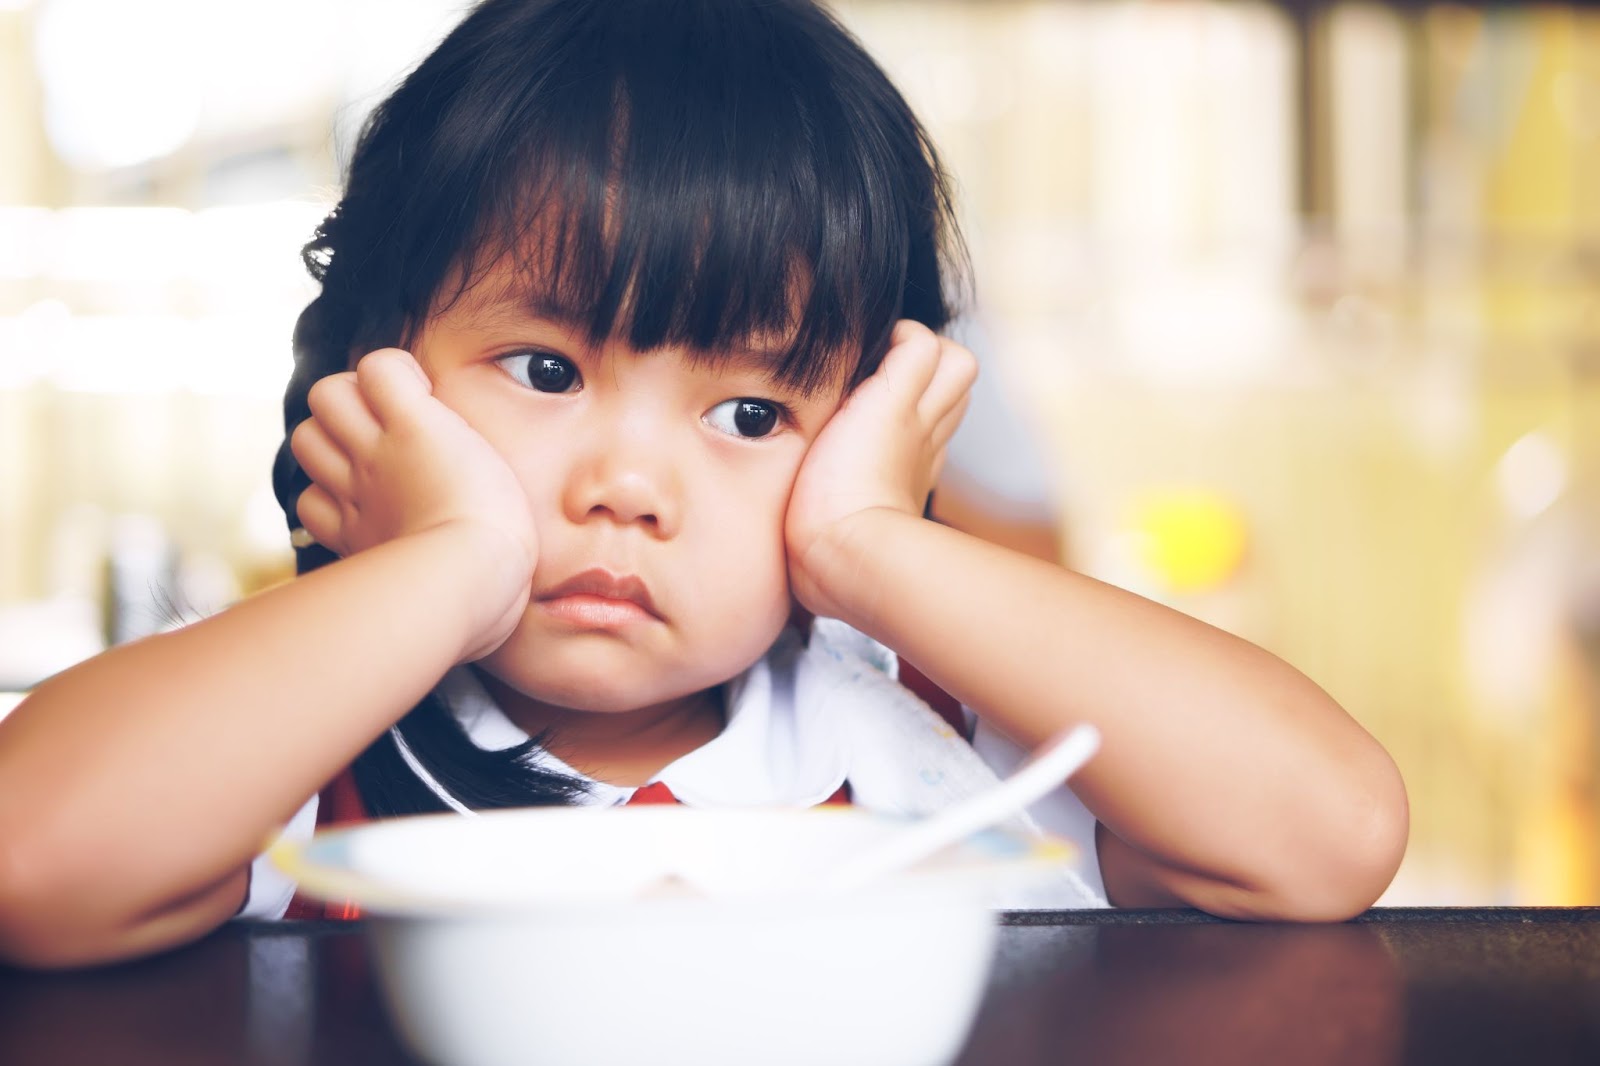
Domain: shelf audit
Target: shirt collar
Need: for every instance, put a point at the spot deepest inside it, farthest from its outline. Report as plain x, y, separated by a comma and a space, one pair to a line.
777, 747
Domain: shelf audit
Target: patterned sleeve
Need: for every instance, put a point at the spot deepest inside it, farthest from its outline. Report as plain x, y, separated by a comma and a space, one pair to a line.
1061, 813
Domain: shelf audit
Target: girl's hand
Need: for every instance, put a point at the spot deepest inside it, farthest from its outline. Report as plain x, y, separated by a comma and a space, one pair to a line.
387, 460
883, 449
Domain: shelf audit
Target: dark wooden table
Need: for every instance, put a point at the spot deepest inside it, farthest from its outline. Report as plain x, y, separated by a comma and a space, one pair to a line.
1449, 987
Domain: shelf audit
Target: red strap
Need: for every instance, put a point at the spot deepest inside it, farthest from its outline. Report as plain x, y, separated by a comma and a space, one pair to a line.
340, 803
654, 794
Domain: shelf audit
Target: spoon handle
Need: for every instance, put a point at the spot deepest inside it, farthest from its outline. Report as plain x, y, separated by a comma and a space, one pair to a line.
1059, 759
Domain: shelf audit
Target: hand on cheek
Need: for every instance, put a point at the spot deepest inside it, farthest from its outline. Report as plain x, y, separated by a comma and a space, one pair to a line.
388, 460
883, 448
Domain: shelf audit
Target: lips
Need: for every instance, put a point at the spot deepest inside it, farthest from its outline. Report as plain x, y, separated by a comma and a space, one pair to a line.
606, 586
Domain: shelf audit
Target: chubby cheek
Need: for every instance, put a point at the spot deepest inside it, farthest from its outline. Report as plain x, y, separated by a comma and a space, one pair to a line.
742, 574
753, 595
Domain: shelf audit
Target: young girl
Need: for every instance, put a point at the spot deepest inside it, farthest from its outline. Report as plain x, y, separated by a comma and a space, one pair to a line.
611, 434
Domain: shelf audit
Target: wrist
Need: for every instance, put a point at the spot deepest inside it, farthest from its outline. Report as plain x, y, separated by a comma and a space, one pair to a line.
835, 575
488, 573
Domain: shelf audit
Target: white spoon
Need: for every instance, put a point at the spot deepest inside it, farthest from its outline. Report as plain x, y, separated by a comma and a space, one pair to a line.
1060, 758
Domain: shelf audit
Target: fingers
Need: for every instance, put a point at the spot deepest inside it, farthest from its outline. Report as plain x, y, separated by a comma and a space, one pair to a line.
951, 384
907, 330
338, 407
323, 460
934, 371
322, 517
912, 359
954, 381
349, 412
947, 425
932, 377
356, 406
392, 382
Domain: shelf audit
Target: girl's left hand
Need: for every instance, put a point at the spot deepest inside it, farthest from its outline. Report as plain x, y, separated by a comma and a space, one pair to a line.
883, 449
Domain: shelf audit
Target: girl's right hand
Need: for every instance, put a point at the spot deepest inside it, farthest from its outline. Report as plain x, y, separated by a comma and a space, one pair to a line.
388, 460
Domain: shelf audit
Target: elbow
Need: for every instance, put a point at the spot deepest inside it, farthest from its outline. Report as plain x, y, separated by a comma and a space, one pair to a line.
57, 915
30, 946
1367, 855
30, 908
1379, 850
1330, 867
1359, 874
1354, 861
46, 922
64, 904
54, 913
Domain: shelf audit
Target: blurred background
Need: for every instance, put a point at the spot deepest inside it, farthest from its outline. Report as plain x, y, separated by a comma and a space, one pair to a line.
1293, 305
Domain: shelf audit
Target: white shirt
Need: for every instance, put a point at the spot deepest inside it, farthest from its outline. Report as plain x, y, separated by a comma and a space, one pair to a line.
808, 717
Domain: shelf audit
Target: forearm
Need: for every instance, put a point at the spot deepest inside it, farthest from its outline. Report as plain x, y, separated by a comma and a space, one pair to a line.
131, 782
1247, 790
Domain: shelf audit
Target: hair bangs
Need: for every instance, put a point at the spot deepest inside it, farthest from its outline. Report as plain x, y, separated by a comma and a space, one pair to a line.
659, 194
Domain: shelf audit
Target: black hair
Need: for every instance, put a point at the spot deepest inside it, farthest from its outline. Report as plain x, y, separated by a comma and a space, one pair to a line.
688, 173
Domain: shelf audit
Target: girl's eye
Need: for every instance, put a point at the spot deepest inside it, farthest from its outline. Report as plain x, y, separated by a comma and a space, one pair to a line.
544, 371
745, 417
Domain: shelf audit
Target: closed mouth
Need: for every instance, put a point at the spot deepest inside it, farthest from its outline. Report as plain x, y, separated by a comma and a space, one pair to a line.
606, 585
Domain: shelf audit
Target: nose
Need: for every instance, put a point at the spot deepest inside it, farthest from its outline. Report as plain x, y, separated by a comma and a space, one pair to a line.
626, 477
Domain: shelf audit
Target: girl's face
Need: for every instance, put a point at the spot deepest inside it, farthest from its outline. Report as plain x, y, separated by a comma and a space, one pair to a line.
657, 488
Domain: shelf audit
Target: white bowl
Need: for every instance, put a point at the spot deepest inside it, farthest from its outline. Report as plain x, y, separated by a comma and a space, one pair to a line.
564, 935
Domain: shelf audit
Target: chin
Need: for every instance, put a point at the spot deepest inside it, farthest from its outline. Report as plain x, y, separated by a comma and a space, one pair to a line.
610, 684
601, 699
598, 691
